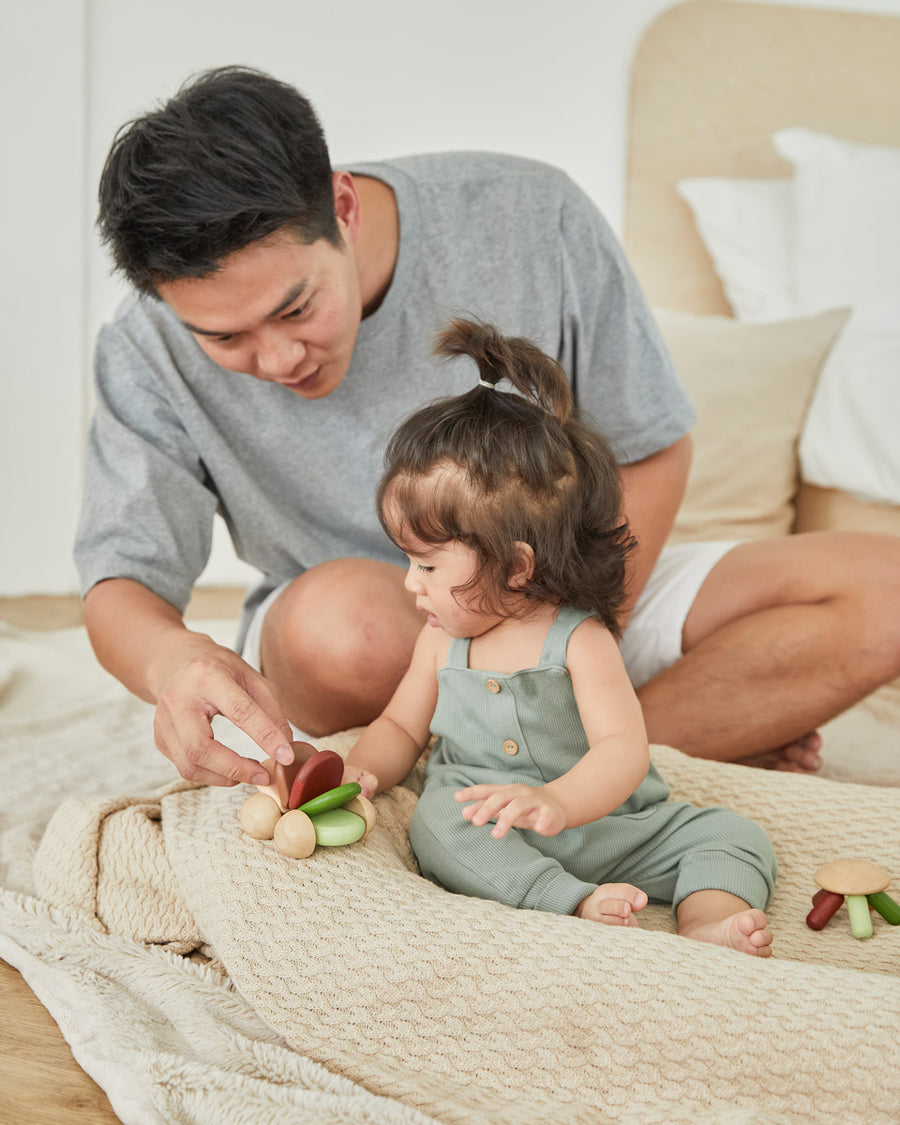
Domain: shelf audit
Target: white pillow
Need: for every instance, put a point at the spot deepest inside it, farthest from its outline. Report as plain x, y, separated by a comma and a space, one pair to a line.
851, 438
846, 219
827, 238
745, 226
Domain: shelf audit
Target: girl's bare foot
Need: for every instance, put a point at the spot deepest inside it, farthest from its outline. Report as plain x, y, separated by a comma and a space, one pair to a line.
747, 931
613, 904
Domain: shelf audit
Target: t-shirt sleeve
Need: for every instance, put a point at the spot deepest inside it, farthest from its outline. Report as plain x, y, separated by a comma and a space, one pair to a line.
621, 372
146, 511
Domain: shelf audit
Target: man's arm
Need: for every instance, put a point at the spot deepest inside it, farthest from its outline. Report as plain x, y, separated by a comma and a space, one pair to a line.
142, 640
652, 490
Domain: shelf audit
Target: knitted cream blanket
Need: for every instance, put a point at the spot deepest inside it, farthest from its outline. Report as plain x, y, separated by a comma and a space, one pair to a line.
457, 1010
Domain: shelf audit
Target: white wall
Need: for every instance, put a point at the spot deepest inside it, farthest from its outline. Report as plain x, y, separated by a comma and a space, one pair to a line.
545, 80
43, 311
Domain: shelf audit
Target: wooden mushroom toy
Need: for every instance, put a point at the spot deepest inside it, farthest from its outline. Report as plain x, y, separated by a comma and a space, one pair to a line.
863, 885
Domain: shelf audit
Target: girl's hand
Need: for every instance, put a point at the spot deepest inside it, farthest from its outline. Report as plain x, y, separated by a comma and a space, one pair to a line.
368, 781
514, 806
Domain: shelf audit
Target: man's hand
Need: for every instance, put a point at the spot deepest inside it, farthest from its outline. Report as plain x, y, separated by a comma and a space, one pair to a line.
204, 680
142, 640
514, 806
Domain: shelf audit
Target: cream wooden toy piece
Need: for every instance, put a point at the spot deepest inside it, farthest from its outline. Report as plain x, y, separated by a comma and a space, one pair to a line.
863, 885
306, 805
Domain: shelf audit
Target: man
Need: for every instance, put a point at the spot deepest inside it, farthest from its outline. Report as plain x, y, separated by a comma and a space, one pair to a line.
283, 327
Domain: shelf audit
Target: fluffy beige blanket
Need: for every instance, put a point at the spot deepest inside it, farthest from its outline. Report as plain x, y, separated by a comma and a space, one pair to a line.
347, 988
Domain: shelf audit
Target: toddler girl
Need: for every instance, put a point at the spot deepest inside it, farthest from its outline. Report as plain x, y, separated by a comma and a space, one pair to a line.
540, 792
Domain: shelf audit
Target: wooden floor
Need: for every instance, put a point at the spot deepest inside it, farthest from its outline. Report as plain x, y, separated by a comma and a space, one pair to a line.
40, 1082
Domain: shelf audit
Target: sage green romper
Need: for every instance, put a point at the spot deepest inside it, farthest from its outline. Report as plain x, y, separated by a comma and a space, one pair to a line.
525, 728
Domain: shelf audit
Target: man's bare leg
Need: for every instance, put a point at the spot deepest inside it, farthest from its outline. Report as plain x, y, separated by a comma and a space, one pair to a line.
784, 635
337, 641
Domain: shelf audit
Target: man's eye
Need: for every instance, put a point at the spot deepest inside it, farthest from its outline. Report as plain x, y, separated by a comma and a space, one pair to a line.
297, 312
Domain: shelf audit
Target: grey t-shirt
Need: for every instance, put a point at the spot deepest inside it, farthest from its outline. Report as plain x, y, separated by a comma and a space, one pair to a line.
175, 437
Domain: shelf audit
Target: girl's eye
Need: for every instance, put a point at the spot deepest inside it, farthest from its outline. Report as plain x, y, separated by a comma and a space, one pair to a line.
424, 569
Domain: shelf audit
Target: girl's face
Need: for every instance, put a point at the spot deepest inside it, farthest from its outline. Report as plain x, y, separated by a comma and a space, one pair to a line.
434, 574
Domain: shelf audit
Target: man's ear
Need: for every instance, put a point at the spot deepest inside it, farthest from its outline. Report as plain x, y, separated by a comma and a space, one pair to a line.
347, 208
523, 567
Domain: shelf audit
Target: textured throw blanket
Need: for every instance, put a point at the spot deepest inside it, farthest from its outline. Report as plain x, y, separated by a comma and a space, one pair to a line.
229, 984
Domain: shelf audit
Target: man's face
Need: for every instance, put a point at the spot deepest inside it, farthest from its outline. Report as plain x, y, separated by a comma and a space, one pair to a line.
281, 310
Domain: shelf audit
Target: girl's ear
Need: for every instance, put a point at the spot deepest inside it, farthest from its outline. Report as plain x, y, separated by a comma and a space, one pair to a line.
523, 567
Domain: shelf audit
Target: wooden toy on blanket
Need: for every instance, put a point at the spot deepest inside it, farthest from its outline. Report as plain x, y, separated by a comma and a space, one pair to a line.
863, 885
305, 804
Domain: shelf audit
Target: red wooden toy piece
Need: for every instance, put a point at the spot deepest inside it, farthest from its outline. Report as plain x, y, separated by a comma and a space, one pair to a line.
319, 773
825, 905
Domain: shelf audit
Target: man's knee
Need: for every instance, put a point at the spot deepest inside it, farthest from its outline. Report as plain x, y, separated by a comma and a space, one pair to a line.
337, 641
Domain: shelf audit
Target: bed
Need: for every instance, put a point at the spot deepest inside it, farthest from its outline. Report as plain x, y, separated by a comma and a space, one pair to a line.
199, 976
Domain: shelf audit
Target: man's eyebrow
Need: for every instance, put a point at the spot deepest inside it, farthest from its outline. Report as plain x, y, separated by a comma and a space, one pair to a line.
289, 299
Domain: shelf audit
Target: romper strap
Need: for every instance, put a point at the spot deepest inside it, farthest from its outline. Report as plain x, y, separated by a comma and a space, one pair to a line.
458, 653
557, 641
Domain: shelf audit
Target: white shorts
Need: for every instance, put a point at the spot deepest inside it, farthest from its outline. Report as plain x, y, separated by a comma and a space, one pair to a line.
652, 640
250, 647
253, 636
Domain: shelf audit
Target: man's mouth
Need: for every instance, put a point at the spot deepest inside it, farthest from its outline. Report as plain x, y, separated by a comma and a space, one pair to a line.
302, 381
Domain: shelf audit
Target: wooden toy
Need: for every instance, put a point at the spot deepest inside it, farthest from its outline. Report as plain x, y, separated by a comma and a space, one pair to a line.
305, 805
863, 885
283, 777
295, 835
319, 773
259, 816
338, 827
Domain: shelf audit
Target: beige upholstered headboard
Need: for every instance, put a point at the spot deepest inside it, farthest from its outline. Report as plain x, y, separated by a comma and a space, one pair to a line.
712, 80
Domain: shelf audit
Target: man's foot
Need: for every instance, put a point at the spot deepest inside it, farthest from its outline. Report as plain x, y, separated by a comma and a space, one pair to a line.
801, 756
747, 932
613, 904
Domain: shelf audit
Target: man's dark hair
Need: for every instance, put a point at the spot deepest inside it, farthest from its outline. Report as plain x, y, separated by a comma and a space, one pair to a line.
233, 157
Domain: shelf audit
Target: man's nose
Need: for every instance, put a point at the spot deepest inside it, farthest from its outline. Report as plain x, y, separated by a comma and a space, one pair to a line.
278, 356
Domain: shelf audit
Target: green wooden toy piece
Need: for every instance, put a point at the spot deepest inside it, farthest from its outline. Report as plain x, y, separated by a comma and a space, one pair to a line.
331, 799
887, 907
338, 827
860, 919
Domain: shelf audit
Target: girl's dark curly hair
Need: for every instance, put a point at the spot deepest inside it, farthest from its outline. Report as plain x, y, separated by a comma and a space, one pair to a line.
492, 468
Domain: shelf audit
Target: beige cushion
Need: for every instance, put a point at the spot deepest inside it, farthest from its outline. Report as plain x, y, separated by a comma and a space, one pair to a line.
751, 385
821, 509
